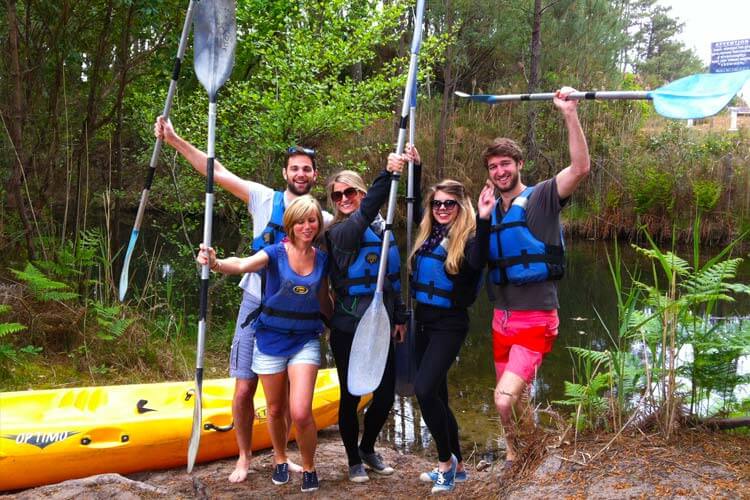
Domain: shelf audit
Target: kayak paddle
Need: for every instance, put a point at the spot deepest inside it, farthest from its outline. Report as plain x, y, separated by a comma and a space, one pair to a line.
406, 364
155, 154
694, 96
373, 335
214, 35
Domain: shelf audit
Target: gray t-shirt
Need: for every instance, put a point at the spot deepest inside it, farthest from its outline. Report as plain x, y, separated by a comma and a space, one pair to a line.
543, 219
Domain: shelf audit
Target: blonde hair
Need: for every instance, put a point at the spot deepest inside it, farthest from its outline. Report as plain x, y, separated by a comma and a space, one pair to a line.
460, 230
298, 210
348, 177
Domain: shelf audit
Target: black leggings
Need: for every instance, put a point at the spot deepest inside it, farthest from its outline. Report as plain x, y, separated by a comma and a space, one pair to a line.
438, 344
377, 413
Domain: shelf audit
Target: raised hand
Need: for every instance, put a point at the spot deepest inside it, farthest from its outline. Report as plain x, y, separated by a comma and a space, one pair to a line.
396, 163
486, 201
561, 100
163, 130
206, 256
412, 154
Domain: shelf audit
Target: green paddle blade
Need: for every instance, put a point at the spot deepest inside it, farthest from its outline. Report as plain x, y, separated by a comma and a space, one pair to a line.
215, 36
369, 348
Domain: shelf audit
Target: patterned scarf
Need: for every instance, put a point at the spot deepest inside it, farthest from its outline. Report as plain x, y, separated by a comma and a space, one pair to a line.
436, 236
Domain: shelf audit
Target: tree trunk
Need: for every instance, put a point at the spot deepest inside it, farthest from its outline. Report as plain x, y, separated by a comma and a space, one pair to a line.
115, 181
15, 129
532, 150
89, 125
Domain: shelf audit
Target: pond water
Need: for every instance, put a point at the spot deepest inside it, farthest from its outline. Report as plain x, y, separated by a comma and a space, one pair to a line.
587, 302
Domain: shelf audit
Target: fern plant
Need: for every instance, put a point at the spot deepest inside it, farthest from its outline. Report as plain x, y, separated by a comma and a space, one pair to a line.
8, 352
111, 324
42, 287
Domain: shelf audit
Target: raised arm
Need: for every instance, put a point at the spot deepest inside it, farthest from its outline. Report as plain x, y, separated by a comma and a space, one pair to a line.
232, 265
222, 176
580, 163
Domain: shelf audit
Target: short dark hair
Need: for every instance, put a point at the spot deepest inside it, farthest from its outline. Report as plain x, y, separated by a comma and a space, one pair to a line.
502, 146
300, 150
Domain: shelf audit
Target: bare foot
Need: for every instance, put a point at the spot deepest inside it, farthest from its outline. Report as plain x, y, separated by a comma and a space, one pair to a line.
293, 467
239, 473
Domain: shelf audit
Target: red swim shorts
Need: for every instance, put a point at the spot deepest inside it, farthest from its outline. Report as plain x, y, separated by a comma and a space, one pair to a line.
520, 339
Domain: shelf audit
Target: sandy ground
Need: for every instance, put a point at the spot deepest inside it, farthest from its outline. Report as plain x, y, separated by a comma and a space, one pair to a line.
694, 465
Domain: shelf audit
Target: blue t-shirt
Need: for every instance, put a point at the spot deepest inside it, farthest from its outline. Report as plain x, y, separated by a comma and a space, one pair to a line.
291, 310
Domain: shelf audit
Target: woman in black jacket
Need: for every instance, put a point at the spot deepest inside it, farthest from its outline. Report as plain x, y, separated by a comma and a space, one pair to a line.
450, 253
354, 242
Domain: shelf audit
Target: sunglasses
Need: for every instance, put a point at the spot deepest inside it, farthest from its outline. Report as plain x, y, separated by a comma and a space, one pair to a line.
337, 196
294, 150
446, 204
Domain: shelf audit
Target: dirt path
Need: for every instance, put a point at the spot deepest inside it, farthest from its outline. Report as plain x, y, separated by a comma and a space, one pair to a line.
695, 465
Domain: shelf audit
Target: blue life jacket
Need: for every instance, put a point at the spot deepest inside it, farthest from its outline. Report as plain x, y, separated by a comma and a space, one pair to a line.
516, 255
430, 283
291, 302
362, 276
274, 230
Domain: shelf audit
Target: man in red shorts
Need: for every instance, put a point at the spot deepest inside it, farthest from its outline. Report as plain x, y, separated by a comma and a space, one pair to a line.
526, 258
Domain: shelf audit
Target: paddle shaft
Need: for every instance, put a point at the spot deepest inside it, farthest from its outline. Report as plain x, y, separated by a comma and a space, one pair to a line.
410, 201
412, 75
156, 151
579, 96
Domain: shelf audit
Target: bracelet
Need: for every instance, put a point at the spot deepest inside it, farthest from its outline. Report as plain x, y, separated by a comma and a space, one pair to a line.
217, 266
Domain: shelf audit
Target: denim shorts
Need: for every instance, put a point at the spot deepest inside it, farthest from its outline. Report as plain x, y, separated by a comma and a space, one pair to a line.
241, 356
266, 364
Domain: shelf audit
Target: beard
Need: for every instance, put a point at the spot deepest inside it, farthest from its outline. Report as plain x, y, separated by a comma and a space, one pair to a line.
298, 192
513, 184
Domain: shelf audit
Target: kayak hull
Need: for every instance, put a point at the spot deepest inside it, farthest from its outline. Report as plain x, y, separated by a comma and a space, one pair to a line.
49, 436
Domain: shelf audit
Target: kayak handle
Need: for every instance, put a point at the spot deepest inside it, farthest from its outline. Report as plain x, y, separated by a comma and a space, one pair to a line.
220, 428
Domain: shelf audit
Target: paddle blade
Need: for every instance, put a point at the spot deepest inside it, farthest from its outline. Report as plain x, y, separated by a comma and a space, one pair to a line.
406, 362
486, 98
126, 264
195, 434
369, 348
698, 96
215, 36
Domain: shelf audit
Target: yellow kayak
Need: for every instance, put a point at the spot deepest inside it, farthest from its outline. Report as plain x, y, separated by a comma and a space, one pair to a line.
49, 436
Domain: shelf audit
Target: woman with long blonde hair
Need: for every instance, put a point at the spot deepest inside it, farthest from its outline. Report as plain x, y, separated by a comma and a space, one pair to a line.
354, 241
450, 253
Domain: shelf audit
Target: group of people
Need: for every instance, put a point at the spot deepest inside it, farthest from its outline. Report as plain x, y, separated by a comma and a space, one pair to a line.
310, 269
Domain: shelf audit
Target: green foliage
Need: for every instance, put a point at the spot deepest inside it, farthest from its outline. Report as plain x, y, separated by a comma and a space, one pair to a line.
651, 188
706, 194
43, 288
9, 353
111, 322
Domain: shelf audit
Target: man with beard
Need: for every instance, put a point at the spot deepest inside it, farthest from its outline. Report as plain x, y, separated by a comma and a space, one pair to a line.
266, 208
526, 259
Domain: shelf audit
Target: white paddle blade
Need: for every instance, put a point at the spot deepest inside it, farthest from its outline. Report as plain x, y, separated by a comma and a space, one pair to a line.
215, 36
195, 433
369, 349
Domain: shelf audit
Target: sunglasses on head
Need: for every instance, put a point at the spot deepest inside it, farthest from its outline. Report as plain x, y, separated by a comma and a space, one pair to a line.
446, 204
337, 196
293, 150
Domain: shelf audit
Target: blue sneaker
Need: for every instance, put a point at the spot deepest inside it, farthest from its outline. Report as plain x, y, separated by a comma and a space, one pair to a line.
431, 477
309, 481
280, 474
446, 481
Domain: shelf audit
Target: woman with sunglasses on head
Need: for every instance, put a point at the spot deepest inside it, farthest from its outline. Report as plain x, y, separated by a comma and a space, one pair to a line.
286, 355
450, 253
354, 241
